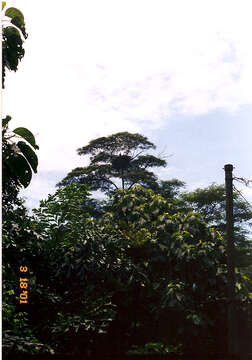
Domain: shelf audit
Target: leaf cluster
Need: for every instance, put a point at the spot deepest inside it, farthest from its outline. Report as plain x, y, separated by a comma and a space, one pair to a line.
13, 33
19, 157
210, 202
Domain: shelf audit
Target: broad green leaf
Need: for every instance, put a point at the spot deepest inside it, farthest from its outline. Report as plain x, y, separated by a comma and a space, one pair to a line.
27, 135
13, 12
29, 154
21, 169
17, 21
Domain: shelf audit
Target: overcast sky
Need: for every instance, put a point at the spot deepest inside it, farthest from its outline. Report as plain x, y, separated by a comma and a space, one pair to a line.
178, 72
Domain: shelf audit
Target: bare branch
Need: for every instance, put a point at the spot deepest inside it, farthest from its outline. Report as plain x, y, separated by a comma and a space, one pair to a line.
242, 180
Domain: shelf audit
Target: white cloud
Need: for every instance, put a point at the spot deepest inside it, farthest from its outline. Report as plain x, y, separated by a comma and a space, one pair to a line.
93, 68
139, 57
246, 192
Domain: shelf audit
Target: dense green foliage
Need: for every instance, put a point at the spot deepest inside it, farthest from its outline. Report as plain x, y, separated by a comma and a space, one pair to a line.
210, 202
140, 274
119, 156
18, 246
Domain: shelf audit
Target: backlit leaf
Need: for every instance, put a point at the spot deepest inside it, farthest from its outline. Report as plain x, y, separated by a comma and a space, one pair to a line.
27, 135
21, 169
29, 154
13, 12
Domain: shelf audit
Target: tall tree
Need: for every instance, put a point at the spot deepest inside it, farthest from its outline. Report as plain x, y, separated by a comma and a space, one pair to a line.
118, 156
171, 191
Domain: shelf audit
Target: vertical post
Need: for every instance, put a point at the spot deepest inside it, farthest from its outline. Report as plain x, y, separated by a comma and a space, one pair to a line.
231, 316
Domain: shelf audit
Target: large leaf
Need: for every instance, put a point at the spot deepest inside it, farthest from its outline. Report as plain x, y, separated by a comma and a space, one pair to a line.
13, 50
21, 169
29, 154
13, 12
18, 23
27, 135
17, 19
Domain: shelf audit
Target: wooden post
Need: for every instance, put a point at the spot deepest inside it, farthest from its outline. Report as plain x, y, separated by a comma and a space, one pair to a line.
231, 308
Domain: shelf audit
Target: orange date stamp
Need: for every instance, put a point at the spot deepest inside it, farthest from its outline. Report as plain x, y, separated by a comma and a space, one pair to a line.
23, 284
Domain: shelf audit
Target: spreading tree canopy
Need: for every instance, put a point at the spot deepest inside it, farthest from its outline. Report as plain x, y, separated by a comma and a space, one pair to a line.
118, 156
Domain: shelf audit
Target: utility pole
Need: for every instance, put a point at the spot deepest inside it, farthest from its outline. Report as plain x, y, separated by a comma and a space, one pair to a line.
231, 309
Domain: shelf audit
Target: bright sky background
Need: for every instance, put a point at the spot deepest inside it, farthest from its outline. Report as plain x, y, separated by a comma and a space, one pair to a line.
178, 72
